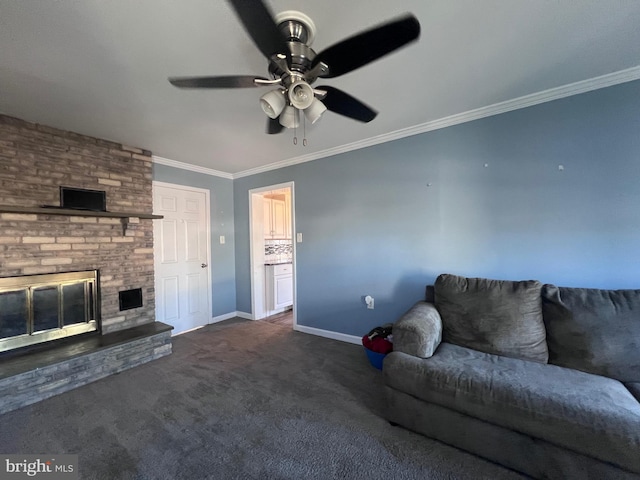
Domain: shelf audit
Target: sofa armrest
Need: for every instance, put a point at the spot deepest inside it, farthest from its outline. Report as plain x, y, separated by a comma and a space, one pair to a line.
419, 331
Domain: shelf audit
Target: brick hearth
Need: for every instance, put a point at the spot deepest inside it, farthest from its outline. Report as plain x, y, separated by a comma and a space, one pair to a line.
35, 161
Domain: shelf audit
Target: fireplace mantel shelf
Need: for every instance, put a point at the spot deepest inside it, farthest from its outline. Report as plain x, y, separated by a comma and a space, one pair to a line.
75, 213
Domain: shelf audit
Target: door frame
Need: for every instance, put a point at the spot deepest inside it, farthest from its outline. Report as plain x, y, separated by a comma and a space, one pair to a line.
256, 220
207, 216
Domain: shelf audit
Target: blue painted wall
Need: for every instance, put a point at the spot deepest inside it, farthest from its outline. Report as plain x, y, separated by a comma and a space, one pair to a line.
386, 220
223, 281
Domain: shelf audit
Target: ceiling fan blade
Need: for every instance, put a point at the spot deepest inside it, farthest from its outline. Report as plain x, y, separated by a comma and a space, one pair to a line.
365, 47
344, 104
273, 126
261, 27
229, 81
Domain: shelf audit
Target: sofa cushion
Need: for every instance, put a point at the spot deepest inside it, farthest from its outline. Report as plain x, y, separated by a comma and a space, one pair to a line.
586, 413
596, 331
634, 388
493, 316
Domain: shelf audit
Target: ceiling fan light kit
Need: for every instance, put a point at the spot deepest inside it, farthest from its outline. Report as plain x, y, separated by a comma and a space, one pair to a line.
273, 103
290, 117
285, 40
315, 111
301, 95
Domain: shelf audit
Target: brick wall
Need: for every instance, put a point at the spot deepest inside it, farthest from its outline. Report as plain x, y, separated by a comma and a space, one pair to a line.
34, 161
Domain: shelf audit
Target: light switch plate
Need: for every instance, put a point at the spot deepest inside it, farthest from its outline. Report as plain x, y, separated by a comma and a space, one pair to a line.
222, 240
299, 237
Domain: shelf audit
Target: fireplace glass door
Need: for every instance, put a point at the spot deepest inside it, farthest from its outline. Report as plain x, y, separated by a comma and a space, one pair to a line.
40, 308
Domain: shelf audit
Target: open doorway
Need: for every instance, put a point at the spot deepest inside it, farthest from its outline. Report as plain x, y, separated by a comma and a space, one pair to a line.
271, 210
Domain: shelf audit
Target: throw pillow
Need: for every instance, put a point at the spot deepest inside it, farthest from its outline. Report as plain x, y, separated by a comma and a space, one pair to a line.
596, 331
493, 316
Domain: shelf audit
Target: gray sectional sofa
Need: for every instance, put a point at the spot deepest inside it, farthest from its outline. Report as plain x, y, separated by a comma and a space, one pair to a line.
542, 379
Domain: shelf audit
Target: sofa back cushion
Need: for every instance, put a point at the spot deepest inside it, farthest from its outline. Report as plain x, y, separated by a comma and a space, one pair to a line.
596, 331
493, 316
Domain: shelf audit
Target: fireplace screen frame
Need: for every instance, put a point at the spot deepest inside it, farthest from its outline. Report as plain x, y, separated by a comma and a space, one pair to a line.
33, 283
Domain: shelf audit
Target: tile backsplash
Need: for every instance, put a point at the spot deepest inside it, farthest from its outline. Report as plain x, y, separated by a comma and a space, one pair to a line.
278, 251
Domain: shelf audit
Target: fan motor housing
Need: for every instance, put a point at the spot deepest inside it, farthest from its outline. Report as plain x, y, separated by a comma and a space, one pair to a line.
301, 58
299, 31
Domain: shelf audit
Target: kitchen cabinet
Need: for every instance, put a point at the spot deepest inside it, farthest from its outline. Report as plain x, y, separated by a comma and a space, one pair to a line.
279, 291
277, 224
268, 217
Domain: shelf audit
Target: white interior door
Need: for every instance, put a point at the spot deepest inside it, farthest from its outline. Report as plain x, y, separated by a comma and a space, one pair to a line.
181, 252
260, 215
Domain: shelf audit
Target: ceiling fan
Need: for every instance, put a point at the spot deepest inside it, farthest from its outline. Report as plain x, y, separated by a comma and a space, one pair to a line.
285, 40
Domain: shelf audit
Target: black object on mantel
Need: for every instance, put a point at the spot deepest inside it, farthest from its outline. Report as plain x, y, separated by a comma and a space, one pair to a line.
83, 199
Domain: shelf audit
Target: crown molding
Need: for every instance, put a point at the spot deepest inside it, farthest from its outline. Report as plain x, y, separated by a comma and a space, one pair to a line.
193, 168
556, 93
537, 98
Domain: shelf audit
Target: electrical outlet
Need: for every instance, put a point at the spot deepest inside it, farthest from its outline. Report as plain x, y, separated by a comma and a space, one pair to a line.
369, 300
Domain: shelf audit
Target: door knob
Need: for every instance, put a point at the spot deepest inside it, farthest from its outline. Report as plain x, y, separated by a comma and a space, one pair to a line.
204, 265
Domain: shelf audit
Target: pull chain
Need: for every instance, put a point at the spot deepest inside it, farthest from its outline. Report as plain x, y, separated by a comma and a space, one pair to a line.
295, 134
304, 130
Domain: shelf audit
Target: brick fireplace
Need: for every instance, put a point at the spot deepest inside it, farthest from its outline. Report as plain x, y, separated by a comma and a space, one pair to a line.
35, 161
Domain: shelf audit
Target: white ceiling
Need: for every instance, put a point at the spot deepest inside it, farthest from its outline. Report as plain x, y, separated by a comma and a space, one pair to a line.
100, 67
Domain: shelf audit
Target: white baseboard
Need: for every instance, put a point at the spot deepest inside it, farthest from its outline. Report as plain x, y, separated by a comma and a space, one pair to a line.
277, 311
222, 318
343, 337
187, 331
227, 316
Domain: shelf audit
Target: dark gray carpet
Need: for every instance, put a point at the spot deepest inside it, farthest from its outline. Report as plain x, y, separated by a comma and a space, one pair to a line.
238, 400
